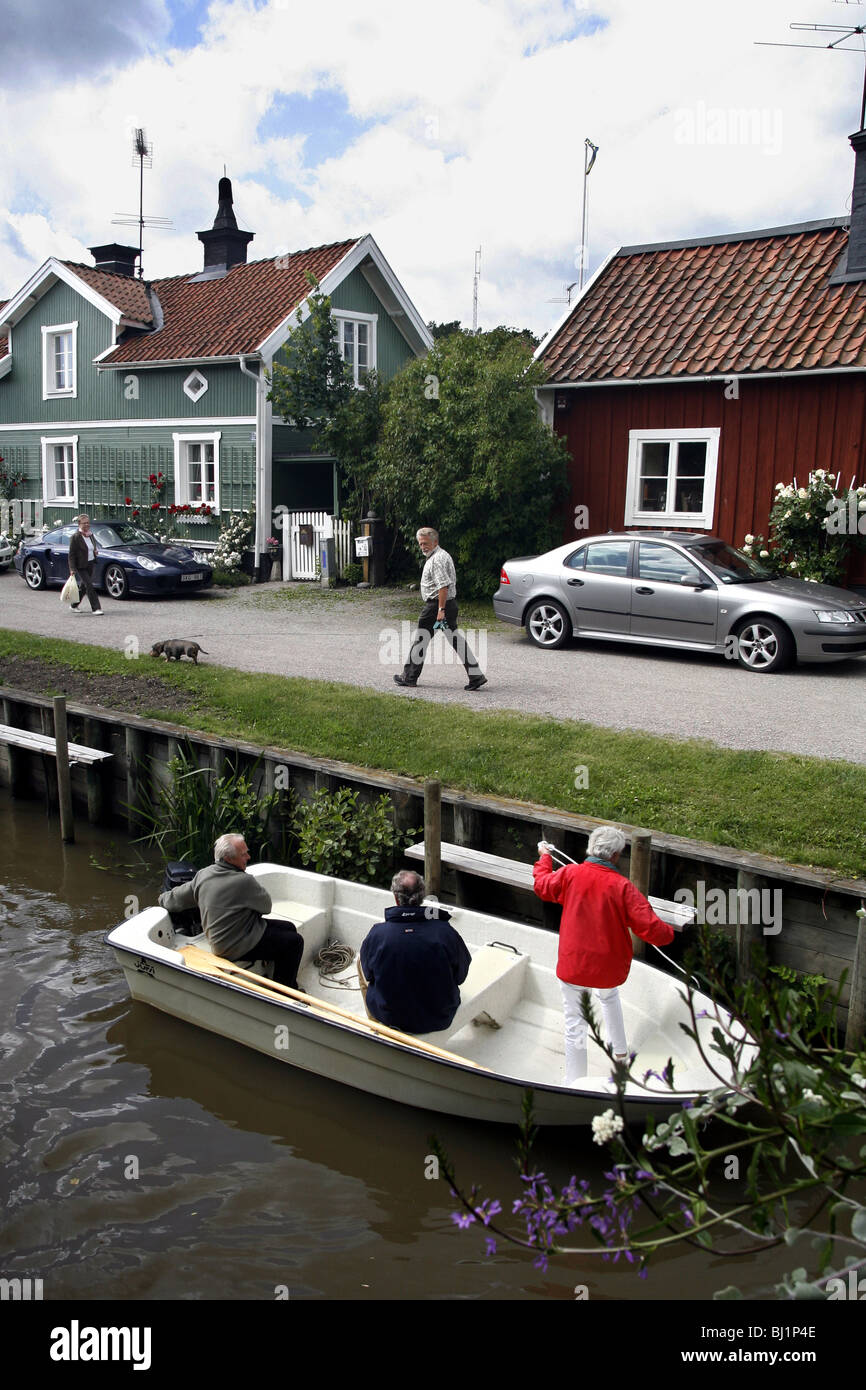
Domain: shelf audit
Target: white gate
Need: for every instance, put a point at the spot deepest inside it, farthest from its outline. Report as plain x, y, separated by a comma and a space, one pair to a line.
22, 513
300, 557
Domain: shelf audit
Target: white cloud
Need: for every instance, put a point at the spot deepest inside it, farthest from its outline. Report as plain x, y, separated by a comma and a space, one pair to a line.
478, 112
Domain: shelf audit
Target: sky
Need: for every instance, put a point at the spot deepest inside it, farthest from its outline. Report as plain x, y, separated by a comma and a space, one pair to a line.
439, 128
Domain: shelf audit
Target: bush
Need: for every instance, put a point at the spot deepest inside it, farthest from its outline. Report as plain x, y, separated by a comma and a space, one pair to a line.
337, 835
810, 536
186, 818
231, 579
352, 573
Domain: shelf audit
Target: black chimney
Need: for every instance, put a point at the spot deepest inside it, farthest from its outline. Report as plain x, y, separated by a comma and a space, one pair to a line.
119, 260
225, 245
856, 266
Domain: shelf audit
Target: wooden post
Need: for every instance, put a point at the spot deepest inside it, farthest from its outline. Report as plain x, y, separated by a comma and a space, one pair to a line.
856, 1030
746, 930
468, 832
64, 784
95, 773
433, 836
640, 862
18, 770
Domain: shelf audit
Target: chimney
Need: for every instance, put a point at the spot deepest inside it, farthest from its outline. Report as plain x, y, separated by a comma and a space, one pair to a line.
119, 260
856, 265
225, 245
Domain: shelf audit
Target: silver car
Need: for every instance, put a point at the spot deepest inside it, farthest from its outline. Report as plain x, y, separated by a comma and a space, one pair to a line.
679, 589
6, 551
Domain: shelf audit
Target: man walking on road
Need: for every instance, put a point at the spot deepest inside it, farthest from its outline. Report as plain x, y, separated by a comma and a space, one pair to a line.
439, 591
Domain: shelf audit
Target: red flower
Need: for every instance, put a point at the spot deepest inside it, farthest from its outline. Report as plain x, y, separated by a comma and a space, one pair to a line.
159, 475
152, 478
154, 506
135, 513
128, 501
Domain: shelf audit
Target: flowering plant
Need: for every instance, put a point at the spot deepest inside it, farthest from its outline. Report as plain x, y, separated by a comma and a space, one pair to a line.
812, 529
10, 479
787, 1116
234, 539
272, 544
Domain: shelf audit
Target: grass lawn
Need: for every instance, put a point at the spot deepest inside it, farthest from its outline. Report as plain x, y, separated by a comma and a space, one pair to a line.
805, 810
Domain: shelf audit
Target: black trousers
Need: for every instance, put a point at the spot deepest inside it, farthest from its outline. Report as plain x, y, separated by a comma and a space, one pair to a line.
84, 579
423, 636
283, 944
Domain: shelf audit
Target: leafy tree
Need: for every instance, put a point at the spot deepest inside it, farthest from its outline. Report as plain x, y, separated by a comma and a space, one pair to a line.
313, 383
463, 450
783, 1163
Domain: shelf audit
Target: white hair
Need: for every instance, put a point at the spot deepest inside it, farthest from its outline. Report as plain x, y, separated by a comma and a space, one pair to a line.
408, 888
225, 848
428, 531
605, 842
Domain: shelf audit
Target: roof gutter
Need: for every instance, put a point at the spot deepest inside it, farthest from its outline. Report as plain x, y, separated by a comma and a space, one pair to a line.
788, 375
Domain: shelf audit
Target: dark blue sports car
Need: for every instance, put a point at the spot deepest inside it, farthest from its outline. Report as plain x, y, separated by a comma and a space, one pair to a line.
130, 561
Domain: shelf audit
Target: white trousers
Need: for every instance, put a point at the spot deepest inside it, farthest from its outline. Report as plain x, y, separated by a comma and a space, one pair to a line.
576, 1028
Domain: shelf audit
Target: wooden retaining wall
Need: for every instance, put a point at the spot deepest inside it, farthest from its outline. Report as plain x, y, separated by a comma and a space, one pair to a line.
818, 922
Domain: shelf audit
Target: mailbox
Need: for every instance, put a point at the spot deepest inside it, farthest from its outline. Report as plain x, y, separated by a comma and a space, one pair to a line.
305, 534
363, 546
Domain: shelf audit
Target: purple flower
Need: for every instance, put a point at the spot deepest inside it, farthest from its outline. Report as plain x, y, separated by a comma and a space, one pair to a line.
463, 1219
491, 1246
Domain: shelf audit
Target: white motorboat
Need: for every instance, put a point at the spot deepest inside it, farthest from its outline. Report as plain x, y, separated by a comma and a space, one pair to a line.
506, 1037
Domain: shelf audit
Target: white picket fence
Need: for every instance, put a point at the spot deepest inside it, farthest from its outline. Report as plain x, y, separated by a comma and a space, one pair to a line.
301, 560
26, 513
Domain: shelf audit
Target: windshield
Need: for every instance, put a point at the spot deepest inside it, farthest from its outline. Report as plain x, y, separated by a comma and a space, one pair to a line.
123, 533
730, 565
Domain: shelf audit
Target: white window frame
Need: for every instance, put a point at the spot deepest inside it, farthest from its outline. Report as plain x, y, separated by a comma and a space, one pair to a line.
49, 333
49, 494
355, 316
686, 521
181, 475
194, 395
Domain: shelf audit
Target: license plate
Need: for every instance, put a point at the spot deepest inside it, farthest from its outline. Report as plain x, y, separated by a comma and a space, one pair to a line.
188, 578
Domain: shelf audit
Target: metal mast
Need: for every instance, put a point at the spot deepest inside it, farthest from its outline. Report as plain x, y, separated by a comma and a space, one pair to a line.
476, 277
589, 153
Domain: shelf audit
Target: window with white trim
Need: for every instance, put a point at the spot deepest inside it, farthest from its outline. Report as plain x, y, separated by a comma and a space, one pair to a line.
59, 358
357, 338
197, 469
672, 478
195, 385
60, 468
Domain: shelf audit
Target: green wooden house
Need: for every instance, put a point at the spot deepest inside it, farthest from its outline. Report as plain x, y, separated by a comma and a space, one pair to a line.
107, 380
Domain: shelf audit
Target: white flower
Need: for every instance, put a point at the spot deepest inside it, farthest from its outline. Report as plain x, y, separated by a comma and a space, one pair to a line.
808, 516
750, 539
793, 565
764, 554
802, 492
820, 473
810, 1095
605, 1126
859, 1080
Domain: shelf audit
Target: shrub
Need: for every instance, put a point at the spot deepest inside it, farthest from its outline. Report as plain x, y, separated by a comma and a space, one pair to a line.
352, 573
186, 818
809, 535
338, 835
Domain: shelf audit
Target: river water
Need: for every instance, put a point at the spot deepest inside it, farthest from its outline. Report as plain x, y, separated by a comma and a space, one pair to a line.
143, 1158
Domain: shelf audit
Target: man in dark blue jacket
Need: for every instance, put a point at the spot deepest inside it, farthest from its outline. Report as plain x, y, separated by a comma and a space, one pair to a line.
413, 962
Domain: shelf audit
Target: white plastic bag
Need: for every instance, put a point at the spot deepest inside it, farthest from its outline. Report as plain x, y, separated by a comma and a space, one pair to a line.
69, 593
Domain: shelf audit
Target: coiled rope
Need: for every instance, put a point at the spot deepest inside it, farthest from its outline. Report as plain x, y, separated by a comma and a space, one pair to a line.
332, 960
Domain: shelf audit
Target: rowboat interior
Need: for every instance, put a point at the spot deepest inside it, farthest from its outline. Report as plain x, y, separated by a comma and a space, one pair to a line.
509, 1024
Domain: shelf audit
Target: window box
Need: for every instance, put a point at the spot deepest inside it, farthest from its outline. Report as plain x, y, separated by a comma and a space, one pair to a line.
672, 478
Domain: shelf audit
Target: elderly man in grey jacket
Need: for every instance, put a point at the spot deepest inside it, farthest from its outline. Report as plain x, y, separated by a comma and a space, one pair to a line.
232, 904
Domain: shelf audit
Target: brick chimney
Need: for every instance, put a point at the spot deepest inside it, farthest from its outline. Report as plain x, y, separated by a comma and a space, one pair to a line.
119, 260
856, 265
225, 245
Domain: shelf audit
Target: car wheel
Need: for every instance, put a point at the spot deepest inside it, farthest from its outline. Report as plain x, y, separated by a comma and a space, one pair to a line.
34, 574
116, 582
547, 624
764, 645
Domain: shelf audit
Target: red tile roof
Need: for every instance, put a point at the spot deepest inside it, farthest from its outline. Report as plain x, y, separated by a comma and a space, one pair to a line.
226, 316
126, 294
754, 303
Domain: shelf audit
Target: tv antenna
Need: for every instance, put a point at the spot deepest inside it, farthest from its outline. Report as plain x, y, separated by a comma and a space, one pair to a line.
142, 155
590, 151
844, 32
475, 278
566, 298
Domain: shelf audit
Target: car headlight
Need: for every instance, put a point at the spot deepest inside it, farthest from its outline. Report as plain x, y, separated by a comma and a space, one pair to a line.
834, 615
149, 564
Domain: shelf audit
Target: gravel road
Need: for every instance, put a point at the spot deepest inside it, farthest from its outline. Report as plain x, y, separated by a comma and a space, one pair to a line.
354, 637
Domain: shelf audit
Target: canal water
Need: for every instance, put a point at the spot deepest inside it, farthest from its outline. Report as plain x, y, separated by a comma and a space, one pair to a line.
143, 1158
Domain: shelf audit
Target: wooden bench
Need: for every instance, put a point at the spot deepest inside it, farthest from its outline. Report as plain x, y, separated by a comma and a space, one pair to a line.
519, 875
42, 743
493, 986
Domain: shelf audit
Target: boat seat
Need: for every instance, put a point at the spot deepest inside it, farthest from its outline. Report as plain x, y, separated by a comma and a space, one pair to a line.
493, 986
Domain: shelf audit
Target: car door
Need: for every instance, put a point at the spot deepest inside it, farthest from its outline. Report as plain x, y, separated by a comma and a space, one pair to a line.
597, 588
57, 557
672, 599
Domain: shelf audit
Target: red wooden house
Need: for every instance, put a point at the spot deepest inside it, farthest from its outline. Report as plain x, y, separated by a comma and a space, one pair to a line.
692, 376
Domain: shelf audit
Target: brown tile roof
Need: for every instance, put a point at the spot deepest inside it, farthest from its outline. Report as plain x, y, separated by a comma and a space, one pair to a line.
753, 303
223, 317
126, 294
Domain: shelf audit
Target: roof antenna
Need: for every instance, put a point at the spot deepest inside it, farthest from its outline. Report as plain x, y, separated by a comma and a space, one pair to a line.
142, 154
475, 278
590, 153
844, 31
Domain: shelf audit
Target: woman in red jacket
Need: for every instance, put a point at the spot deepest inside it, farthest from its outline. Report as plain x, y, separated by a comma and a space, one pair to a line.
599, 906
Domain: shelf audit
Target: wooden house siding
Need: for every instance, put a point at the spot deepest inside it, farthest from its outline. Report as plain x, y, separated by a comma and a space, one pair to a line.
392, 350
777, 429
21, 391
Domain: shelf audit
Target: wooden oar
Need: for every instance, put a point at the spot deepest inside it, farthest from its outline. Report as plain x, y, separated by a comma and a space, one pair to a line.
208, 964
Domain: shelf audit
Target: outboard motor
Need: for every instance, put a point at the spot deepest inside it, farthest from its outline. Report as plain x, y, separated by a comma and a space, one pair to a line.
188, 923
